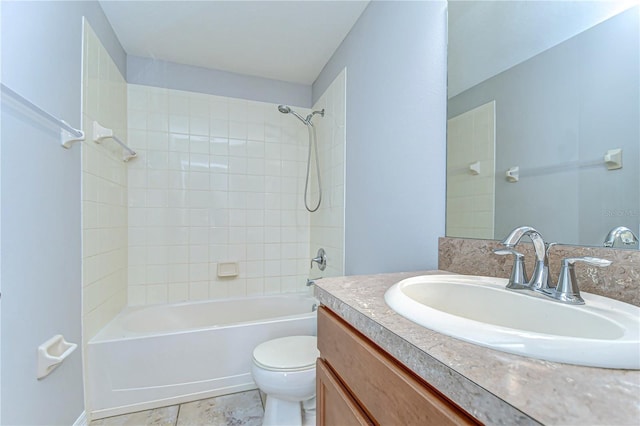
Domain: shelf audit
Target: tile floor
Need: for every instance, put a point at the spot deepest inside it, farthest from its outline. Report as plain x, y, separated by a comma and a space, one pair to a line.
238, 409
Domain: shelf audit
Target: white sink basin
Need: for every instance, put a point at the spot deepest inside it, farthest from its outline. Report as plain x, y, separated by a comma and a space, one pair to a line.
480, 310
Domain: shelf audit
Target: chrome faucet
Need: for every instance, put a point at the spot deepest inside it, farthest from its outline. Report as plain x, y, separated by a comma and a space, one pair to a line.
621, 233
518, 279
567, 289
312, 281
539, 280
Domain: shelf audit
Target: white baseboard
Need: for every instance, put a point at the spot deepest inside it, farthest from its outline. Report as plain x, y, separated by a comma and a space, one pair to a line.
82, 420
165, 402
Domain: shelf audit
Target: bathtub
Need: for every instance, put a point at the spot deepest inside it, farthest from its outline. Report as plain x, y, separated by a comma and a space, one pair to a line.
160, 355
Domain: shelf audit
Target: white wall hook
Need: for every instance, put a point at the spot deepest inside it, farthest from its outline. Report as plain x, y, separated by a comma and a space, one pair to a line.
51, 354
513, 174
613, 159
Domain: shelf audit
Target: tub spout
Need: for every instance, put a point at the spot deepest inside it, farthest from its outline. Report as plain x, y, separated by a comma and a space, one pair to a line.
312, 281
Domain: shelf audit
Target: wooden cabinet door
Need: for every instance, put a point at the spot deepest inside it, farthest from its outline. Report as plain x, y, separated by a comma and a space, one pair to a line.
388, 392
334, 405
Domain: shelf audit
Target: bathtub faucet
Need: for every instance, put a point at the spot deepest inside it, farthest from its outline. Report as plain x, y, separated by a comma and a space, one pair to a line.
312, 281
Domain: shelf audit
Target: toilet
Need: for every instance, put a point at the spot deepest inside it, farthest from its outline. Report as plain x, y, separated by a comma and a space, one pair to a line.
285, 370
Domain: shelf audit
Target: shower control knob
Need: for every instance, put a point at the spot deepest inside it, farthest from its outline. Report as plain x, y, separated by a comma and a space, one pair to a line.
320, 259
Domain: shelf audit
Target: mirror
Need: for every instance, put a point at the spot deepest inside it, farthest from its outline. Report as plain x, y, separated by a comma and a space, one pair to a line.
543, 119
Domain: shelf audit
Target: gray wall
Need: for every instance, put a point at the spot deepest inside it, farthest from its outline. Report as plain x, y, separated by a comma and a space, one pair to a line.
154, 72
568, 106
41, 229
395, 57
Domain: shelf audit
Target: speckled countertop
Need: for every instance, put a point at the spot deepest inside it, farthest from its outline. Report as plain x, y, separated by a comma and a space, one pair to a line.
496, 387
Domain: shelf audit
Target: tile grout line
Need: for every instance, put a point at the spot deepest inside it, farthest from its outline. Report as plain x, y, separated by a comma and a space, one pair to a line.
178, 414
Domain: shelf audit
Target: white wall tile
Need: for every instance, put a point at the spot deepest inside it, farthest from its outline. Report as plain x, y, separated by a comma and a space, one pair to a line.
198, 290
237, 288
157, 294
219, 107
327, 224
212, 190
178, 292
104, 188
255, 131
219, 128
255, 286
238, 110
178, 142
178, 102
470, 198
137, 295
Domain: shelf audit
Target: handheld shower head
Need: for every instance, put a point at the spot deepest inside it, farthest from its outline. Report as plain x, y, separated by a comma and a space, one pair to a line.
286, 109
313, 142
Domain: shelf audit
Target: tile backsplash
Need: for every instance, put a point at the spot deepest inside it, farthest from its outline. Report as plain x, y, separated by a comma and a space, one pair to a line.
620, 281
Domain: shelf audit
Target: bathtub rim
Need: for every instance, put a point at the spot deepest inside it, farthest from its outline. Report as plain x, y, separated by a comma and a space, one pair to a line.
98, 338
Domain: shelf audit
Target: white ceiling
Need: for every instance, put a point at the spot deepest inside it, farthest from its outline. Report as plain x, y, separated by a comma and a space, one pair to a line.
282, 40
488, 37
293, 40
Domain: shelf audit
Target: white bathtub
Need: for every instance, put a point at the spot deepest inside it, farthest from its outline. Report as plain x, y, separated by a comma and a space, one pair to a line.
162, 355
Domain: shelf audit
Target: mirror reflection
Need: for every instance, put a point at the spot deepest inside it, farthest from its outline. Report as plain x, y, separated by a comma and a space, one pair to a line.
543, 120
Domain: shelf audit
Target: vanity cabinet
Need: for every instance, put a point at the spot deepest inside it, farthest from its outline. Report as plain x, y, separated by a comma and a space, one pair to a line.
360, 384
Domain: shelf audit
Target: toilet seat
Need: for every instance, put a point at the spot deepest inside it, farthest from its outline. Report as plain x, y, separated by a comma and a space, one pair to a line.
293, 353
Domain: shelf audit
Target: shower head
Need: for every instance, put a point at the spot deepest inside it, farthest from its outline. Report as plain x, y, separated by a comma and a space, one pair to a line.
285, 109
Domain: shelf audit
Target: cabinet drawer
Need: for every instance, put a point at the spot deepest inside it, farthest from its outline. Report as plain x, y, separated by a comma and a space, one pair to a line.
387, 391
334, 404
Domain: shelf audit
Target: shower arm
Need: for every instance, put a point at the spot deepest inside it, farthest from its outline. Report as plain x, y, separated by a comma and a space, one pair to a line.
310, 116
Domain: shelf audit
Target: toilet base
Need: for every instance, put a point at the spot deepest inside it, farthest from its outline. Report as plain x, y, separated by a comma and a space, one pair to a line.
309, 420
278, 412
309, 412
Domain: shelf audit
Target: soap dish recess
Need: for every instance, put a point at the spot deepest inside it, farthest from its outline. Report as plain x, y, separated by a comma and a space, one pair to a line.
228, 269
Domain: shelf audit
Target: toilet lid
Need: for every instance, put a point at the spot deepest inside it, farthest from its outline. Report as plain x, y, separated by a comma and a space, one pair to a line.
287, 353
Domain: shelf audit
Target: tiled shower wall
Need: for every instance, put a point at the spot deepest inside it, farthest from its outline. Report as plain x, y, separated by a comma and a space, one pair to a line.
327, 224
471, 197
104, 189
217, 180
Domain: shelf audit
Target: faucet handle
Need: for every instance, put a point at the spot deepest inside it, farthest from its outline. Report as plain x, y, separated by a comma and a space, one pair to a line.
320, 259
567, 290
518, 279
594, 261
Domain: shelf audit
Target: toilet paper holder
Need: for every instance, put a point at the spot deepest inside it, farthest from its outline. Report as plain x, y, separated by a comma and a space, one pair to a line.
51, 354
